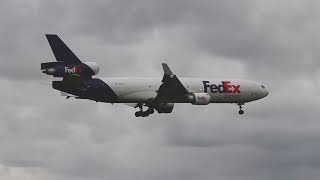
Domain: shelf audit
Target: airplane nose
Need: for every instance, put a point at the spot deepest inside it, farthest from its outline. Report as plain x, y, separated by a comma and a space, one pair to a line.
264, 91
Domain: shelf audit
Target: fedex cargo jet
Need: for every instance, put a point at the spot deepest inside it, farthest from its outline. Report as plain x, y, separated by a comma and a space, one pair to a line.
160, 94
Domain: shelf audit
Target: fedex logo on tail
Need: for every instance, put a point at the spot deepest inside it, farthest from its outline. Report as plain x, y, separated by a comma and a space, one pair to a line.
224, 87
72, 70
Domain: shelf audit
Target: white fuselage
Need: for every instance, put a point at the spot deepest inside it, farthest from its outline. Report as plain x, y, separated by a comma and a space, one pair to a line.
139, 90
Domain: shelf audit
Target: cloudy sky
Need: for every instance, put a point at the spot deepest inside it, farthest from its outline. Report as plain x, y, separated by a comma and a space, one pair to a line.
44, 136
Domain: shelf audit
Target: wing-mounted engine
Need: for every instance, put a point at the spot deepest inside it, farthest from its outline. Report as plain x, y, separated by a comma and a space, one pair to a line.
164, 107
62, 69
199, 98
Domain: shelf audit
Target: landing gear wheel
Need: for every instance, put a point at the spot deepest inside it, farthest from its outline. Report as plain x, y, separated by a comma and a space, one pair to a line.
145, 114
139, 113
240, 109
142, 113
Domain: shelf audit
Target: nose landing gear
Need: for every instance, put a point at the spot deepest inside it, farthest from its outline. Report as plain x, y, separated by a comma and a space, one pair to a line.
241, 112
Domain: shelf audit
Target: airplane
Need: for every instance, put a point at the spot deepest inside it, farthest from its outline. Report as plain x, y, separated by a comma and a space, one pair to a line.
158, 94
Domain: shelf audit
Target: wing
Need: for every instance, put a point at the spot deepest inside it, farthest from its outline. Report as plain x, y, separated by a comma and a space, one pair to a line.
171, 89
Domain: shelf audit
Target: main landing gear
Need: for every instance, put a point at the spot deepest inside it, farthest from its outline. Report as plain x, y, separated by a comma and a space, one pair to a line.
241, 112
142, 113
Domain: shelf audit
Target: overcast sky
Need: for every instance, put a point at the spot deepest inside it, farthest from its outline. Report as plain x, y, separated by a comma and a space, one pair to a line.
46, 137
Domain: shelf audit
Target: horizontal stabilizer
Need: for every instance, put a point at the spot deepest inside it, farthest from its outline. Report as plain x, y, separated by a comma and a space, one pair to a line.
66, 94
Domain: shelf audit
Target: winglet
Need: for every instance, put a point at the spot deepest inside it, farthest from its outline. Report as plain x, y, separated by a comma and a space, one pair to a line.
166, 69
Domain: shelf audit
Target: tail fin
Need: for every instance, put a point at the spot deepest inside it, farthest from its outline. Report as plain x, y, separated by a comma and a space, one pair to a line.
61, 50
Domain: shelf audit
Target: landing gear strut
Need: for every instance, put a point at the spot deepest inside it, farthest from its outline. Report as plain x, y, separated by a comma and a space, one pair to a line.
142, 113
241, 112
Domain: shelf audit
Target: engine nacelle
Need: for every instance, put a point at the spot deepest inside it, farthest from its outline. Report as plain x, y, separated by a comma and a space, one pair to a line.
93, 66
164, 107
60, 69
199, 98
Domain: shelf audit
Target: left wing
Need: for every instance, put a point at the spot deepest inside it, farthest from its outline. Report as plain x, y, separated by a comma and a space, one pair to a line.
171, 89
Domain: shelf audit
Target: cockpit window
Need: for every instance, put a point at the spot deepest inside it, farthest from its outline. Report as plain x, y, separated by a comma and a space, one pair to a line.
263, 87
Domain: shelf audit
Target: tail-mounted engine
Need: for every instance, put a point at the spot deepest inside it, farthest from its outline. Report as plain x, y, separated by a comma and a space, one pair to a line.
61, 69
199, 98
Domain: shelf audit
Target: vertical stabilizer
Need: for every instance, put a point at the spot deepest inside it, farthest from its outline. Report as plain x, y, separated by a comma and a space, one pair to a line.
61, 50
